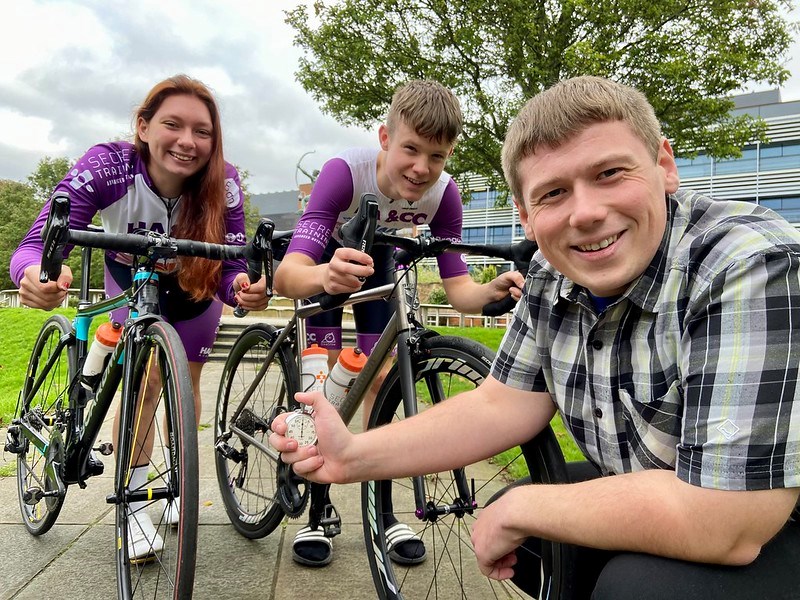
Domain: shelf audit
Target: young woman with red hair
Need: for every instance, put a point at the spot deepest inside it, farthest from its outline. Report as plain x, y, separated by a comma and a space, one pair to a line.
173, 179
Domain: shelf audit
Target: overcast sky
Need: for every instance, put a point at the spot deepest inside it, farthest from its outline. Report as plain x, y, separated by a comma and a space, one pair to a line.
71, 74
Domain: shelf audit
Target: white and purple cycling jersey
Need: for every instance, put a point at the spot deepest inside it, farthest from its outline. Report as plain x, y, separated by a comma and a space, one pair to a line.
336, 194
112, 179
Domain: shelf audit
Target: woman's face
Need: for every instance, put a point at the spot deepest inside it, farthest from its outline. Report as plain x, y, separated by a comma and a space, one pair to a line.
180, 137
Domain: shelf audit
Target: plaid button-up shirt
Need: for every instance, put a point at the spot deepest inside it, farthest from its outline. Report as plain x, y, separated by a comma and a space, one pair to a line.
694, 368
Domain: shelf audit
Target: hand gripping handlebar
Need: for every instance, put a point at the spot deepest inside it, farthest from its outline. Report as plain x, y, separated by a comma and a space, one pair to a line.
359, 233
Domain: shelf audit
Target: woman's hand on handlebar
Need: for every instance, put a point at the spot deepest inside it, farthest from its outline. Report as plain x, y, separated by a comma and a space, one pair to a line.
346, 271
44, 295
250, 296
324, 461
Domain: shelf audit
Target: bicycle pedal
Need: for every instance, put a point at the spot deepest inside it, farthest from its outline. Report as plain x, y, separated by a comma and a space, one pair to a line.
34, 495
105, 448
331, 523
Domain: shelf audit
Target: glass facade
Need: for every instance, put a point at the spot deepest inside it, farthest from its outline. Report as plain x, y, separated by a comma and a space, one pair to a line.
492, 234
754, 159
481, 199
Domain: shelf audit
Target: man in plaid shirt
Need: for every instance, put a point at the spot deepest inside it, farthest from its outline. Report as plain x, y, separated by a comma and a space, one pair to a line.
664, 327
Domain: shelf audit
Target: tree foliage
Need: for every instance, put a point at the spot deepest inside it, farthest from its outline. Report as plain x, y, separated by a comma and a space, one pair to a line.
48, 173
19, 209
687, 56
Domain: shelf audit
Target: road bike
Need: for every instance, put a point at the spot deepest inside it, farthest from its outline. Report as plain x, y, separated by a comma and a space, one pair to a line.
262, 374
59, 414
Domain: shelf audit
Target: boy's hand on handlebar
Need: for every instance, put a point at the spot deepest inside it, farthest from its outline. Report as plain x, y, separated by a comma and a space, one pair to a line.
344, 270
44, 295
251, 296
322, 462
510, 282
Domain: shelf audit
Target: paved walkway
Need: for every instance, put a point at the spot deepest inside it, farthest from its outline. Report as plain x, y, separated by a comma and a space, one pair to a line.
74, 560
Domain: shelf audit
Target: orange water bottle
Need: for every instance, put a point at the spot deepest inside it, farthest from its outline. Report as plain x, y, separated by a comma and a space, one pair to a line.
343, 374
105, 338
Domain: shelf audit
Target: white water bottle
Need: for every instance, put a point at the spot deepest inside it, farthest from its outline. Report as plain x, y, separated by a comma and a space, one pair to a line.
315, 368
343, 374
105, 338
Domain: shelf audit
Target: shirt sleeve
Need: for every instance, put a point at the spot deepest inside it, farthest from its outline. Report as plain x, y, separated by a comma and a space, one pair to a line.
234, 233
447, 223
741, 421
332, 194
85, 201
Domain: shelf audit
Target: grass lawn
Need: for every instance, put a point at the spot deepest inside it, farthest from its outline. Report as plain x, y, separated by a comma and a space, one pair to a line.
18, 330
492, 338
20, 326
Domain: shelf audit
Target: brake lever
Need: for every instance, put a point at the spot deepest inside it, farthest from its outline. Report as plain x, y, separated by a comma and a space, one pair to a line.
55, 235
259, 255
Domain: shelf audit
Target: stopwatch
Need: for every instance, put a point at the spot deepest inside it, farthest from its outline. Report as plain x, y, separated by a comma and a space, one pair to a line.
300, 426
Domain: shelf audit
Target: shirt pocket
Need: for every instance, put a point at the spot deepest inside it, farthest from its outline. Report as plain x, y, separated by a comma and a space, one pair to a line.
653, 427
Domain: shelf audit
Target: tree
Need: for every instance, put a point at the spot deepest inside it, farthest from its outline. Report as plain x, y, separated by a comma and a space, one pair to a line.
19, 209
48, 173
687, 56
251, 214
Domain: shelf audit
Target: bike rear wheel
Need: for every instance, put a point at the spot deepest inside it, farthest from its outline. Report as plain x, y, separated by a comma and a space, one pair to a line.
247, 475
158, 432
444, 366
40, 412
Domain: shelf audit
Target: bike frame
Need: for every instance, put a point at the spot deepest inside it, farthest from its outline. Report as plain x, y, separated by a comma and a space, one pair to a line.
84, 425
397, 332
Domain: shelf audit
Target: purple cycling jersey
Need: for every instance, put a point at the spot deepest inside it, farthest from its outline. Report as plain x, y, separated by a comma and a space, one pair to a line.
336, 194
112, 179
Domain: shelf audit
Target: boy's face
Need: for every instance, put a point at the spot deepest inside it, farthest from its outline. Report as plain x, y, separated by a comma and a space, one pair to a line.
595, 205
411, 163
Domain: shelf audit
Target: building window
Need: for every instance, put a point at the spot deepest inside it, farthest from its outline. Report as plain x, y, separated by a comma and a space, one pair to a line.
481, 199
496, 234
783, 155
696, 167
747, 163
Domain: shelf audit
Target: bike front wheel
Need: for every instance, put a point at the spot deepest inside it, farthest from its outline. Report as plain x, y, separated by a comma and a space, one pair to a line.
40, 411
444, 366
157, 509
246, 463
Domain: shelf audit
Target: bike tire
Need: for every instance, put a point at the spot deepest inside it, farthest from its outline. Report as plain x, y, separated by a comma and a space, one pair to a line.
247, 476
45, 407
172, 467
450, 569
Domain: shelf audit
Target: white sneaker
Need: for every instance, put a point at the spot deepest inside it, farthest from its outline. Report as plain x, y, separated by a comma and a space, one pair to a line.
143, 539
171, 511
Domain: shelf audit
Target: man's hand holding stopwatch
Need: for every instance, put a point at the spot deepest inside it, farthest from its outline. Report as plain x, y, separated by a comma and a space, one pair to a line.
324, 461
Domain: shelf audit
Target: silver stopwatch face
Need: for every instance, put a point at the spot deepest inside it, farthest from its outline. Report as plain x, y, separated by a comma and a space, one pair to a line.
300, 426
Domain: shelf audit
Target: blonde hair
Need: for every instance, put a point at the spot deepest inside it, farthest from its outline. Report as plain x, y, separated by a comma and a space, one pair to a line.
553, 116
429, 108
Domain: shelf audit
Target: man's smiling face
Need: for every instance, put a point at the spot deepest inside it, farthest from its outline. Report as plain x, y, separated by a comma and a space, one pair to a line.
595, 205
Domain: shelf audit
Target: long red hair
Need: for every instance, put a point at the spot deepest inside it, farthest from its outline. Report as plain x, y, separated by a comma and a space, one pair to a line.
202, 212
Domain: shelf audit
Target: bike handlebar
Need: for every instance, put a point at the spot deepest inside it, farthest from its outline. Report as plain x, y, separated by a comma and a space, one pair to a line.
56, 234
360, 232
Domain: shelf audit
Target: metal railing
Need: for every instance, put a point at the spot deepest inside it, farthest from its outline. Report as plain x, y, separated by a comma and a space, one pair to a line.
281, 309
10, 298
